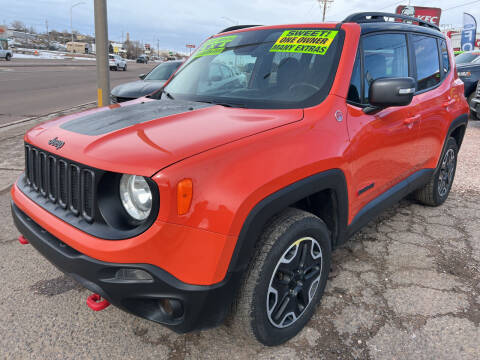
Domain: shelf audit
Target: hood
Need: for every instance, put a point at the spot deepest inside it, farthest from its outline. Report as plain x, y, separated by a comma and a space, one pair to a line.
143, 137
468, 66
138, 88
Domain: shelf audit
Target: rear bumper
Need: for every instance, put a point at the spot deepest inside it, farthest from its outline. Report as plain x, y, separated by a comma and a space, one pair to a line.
191, 306
475, 105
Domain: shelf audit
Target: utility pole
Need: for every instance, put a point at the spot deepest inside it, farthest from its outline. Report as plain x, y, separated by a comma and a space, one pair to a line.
158, 48
324, 4
48, 34
101, 43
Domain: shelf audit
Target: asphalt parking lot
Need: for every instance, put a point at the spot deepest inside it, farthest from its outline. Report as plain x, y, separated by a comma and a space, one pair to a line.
406, 287
52, 85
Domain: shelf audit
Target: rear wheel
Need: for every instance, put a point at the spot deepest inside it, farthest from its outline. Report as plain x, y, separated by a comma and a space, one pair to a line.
286, 279
125, 67
436, 191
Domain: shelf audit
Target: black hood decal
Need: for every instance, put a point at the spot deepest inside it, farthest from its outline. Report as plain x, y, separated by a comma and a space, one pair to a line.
104, 122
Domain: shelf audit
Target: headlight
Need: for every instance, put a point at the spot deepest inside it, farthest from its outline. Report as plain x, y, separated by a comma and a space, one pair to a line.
136, 196
464, 74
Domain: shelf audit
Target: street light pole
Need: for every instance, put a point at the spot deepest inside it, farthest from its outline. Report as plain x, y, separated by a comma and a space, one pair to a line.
71, 16
101, 43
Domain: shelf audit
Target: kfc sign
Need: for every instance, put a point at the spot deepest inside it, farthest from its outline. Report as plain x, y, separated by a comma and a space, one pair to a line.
423, 13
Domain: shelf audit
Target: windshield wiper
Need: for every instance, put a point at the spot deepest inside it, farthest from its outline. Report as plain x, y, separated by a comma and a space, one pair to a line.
223, 104
167, 94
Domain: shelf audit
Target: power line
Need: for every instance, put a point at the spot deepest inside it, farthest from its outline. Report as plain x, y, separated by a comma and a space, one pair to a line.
454, 7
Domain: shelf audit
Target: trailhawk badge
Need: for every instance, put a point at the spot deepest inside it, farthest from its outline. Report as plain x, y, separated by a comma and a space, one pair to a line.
57, 143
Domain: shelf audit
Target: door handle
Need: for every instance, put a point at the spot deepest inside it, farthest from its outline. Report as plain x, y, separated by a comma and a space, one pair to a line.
411, 120
448, 103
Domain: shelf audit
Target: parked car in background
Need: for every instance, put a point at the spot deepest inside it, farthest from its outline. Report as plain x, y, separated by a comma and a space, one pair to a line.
116, 62
221, 76
5, 52
149, 83
475, 104
468, 68
142, 59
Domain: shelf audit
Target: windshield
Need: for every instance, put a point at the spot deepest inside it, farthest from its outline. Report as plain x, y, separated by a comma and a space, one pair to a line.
163, 71
466, 58
279, 68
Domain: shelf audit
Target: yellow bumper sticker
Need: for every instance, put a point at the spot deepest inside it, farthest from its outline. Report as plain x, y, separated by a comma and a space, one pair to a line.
304, 41
214, 46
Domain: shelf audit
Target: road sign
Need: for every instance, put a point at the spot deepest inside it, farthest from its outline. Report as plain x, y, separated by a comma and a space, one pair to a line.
190, 46
420, 12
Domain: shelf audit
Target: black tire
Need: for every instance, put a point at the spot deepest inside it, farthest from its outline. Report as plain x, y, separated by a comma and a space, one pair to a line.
258, 312
8, 57
436, 191
125, 67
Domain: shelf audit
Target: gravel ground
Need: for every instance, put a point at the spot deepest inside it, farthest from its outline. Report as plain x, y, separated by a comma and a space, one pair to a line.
406, 287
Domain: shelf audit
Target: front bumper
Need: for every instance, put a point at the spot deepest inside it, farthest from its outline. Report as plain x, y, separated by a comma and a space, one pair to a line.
191, 306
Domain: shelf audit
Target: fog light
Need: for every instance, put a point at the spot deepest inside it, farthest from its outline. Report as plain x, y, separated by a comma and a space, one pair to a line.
171, 307
133, 274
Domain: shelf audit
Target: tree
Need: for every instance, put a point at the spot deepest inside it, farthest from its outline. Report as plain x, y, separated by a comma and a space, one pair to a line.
18, 25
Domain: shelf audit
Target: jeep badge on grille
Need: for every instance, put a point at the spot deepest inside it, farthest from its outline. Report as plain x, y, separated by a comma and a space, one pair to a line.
57, 143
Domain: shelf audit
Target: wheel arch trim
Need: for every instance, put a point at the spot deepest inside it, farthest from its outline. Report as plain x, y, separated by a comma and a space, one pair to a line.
254, 223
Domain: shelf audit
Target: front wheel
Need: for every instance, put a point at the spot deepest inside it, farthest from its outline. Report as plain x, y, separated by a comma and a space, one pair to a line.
125, 67
8, 57
436, 191
286, 279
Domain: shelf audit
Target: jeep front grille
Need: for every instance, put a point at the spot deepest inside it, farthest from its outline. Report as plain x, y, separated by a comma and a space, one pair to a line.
61, 181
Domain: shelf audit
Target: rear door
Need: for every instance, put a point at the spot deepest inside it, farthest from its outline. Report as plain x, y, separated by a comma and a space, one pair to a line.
433, 94
382, 144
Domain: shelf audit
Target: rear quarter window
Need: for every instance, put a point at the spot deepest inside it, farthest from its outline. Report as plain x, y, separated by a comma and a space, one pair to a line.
445, 57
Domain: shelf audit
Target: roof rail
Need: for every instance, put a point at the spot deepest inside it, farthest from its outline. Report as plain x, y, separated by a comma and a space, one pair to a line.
237, 27
366, 17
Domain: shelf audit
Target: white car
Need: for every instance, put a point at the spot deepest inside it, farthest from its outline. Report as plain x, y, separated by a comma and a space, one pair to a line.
5, 53
116, 63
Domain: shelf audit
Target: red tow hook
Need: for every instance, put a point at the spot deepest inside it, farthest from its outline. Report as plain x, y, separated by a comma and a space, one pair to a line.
22, 240
96, 303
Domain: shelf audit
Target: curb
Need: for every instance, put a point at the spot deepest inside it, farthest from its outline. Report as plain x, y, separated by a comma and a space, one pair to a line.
16, 122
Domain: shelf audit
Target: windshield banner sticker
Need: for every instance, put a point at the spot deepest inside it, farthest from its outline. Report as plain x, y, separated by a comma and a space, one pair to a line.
305, 41
214, 46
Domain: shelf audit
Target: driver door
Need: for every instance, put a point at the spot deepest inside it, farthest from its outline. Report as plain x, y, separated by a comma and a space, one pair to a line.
382, 143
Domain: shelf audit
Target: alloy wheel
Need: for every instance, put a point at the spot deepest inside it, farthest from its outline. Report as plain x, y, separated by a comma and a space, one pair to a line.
445, 177
294, 282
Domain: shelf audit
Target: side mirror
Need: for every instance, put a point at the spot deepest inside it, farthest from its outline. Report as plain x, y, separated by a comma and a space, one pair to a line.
386, 92
142, 76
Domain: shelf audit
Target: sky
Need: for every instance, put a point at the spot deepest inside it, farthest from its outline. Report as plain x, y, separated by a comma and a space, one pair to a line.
174, 23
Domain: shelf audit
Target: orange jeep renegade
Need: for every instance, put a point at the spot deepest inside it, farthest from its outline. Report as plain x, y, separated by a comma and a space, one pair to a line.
224, 194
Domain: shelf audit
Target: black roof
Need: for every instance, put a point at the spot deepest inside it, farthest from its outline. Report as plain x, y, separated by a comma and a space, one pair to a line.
397, 26
375, 21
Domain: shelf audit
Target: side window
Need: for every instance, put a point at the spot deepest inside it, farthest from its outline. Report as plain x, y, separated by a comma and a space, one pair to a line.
355, 89
445, 57
385, 56
427, 61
